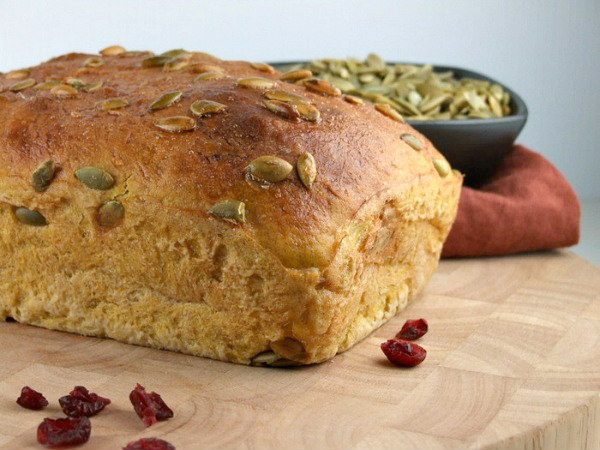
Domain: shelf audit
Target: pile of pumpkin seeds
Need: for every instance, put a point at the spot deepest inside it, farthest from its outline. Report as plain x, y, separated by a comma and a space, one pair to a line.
416, 92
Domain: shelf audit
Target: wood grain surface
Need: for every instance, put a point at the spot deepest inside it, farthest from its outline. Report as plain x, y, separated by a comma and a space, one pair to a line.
513, 363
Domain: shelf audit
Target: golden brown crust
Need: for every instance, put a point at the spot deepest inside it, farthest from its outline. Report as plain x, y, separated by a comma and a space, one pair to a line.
360, 157
358, 150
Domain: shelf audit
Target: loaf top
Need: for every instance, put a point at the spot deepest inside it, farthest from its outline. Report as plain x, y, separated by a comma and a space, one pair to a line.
58, 111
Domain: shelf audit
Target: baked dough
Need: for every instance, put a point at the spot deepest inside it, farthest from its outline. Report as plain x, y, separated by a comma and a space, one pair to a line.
308, 273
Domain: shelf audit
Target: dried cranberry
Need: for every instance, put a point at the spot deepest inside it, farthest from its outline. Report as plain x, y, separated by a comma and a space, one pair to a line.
81, 402
403, 353
31, 399
63, 432
149, 406
149, 444
413, 329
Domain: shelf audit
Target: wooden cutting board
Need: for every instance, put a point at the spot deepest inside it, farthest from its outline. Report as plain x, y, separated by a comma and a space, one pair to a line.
513, 363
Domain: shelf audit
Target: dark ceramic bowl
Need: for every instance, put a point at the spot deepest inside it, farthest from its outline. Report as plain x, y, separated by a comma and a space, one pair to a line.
473, 146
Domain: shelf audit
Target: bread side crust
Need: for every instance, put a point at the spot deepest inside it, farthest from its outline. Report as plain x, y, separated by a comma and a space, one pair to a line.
194, 284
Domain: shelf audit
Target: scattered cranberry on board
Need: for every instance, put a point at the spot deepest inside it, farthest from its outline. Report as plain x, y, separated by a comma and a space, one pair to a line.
64, 432
81, 402
32, 399
413, 329
149, 444
403, 353
149, 406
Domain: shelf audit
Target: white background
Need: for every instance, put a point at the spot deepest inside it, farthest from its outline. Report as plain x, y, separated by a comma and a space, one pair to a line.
548, 51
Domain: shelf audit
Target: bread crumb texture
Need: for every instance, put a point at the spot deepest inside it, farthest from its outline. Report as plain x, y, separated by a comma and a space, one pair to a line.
135, 249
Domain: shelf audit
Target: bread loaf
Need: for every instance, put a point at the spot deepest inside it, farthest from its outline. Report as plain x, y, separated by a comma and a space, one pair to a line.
209, 207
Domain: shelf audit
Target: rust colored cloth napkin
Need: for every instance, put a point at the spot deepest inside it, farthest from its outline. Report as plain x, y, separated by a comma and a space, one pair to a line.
527, 205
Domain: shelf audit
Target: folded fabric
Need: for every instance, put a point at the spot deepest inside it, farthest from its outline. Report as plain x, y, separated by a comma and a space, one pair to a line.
526, 205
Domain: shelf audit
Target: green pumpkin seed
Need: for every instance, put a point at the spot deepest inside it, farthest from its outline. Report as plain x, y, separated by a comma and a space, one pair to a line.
203, 108
204, 68
303, 108
95, 178
176, 53
166, 100
374, 60
110, 213
354, 100
407, 107
265, 359
156, 61
94, 61
414, 98
256, 83
322, 87
113, 50
22, 85
271, 359
17, 74
47, 85
209, 76
337, 69
429, 105
63, 90
296, 75
388, 111
318, 65
307, 169
75, 82
442, 116
495, 106
342, 84
43, 176
389, 78
176, 124
352, 65
283, 96
112, 103
442, 166
269, 169
286, 110
475, 100
91, 87
175, 64
263, 67
30, 217
413, 141
480, 115
230, 210
308, 112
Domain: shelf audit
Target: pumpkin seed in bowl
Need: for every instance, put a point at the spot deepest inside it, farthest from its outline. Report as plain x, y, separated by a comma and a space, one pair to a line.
418, 92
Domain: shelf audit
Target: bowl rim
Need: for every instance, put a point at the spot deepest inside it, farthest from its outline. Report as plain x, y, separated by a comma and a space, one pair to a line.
520, 107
